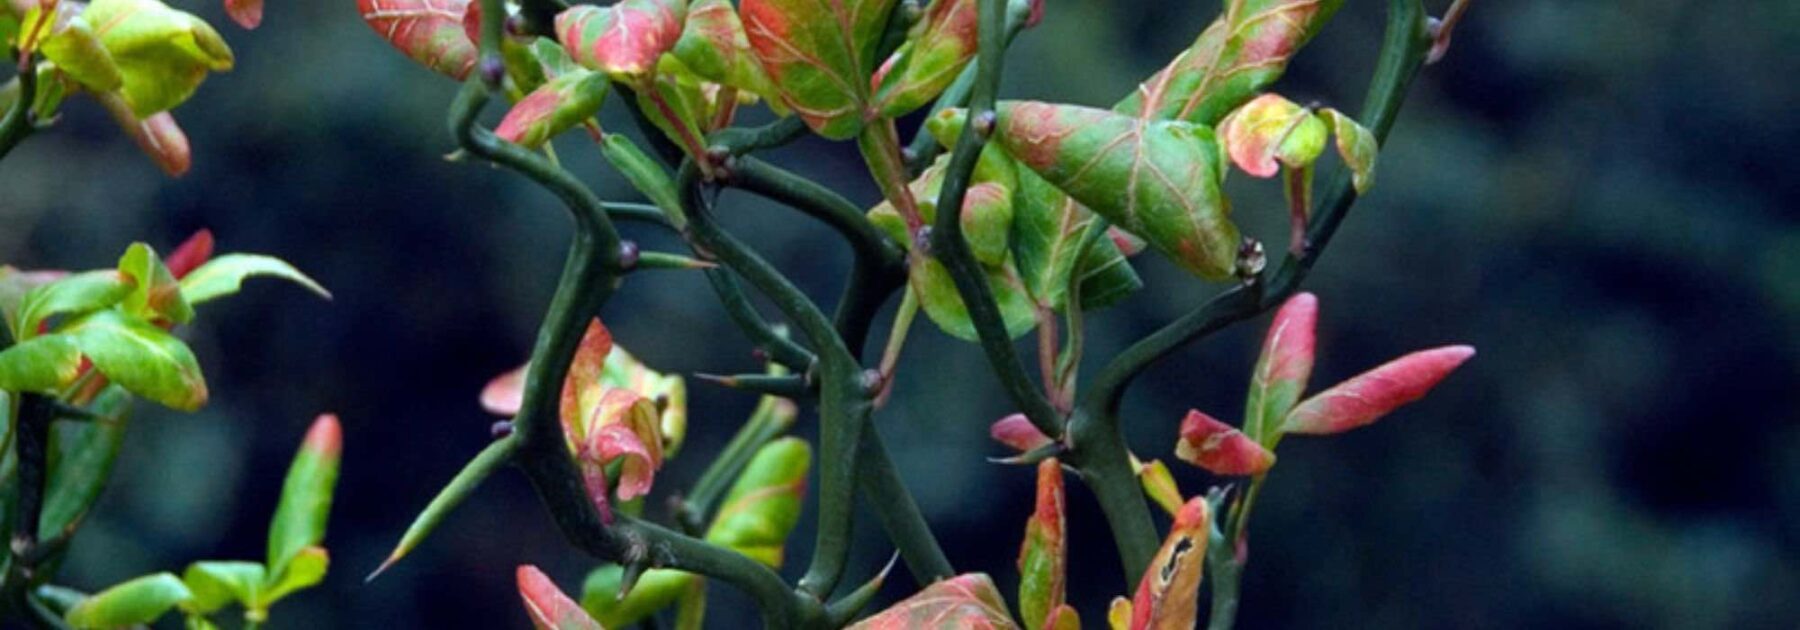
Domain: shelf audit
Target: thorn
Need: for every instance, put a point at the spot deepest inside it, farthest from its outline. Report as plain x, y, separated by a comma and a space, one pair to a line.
1441, 29
385, 564
726, 381
636, 561
1031, 457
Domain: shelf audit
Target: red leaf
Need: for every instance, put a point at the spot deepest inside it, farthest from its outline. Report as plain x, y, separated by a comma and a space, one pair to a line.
247, 13
623, 40
505, 394
1168, 595
1017, 431
581, 393
1372, 394
1219, 448
1283, 368
967, 601
549, 608
428, 31
1043, 555
190, 254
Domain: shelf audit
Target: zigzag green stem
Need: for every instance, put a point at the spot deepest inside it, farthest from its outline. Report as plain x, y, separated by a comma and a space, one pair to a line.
949, 246
899, 514
778, 347
17, 122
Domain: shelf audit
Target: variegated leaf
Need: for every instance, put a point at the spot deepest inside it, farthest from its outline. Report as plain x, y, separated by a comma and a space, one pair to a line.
428, 31
1372, 394
967, 601
1242, 52
1283, 368
818, 54
1043, 556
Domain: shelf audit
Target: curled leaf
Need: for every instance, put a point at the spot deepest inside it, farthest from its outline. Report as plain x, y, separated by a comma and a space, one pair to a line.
76, 50
162, 54
965, 601
1043, 556
624, 427
1270, 132
156, 295
1372, 394
1017, 432
549, 608
226, 274
1219, 448
623, 40
428, 31
71, 295
1283, 368
1357, 145
817, 55
1168, 595
142, 358
581, 390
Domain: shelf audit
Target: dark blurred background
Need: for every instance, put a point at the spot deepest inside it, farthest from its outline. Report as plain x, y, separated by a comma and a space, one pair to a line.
1596, 194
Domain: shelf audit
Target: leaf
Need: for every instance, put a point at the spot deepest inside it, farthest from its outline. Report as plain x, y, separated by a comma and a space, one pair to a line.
1270, 132
1219, 448
1160, 486
1283, 367
225, 275
1243, 51
247, 13
304, 570
15, 284
1168, 595
626, 428
142, 358
504, 395
156, 296
428, 31
549, 608
1372, 394
714, 47
1017, 432
1156, 179
965, 601
656, 590
1043, 556
623, 40
942, 302
818, 54
76, 50
43, 364
1357, 145
930, 60
305, 505
581, 391
162, 54
1063, 617
764, 503
140, 600
82, 455
158, 136
554, 107
190, 254
986, 218
668, 392
216, 584
73, 295
1047, 229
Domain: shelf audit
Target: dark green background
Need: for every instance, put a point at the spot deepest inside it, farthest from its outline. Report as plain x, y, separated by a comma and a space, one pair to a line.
1596, 194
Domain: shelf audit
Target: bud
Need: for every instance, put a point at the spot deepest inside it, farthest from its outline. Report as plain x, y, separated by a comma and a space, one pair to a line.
305, 503
1159, 485
1372, 394
1017, 432
1219, 448
1283, 368
247, 13
191, 253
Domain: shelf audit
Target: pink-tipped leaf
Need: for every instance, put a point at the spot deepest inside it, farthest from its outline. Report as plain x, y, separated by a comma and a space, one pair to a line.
247, 13
967, 601
1283, 368
1043, 556
1168, 595
428, 31
1016, 431
1220, 448
623, 40
549, 608
1372, 394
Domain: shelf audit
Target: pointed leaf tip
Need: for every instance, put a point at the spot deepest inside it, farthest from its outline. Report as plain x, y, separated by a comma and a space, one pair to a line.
549, 608
1017, 432
428, 31
1043, 556
1283, 368
1372, 394
1219, 448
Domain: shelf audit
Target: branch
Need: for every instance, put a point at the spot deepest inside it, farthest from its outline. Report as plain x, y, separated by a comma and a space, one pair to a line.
777, 346
899, 514
948, 244
31, 444
18, 122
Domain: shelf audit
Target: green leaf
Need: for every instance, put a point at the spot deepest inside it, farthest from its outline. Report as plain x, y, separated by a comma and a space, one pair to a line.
623, 40
1048, 228
162, 54
427, 31
81, 460
965, 601
764, 503
1043, 558
74, 48
1156, 179
41, 364
305, 504
930, 60
1357, 145
1282, 369
819, 55
944, 305
141, 600
554, 107
644, 174
219, 583
304, 570
142, 358
15, 284
1271, 132
713, 46
75, 294
157, 294
225, 275
1242, 52
656, 590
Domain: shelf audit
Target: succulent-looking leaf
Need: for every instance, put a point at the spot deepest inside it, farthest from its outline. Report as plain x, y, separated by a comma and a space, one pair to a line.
82, 455
965, 601
137, 601
71, 295
1372, 394
225, 275
1242, 52
986, 218
1357, 145
623, 40
1156, 179
162, 54
668, 392
1047, 229
247, 13
930, 60
1220, 448
305, 504
1270, 132
645, 174
1018, 432
142, 358
818, 55
428, 31
549, 608
156, 295
304, 570
656, 590
1283, 367
190, 254
554, 107
1043, 556
216, 584
1159, 485
714, 47
618, 370
1169, 593
764, 503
